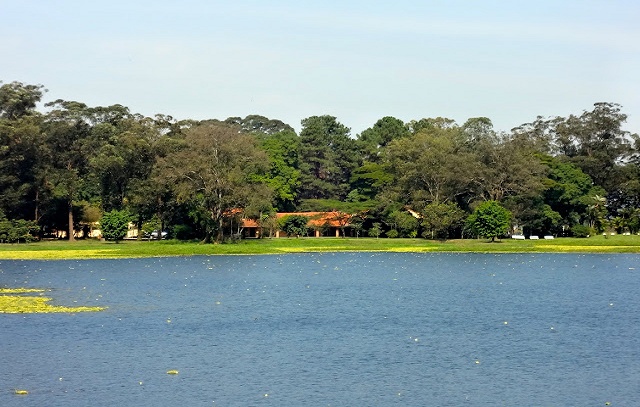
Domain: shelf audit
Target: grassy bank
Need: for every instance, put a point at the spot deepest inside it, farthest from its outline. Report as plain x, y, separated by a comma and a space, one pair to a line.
128, 249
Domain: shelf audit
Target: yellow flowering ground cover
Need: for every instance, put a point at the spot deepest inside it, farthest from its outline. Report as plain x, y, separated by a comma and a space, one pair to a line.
93, 249
30, 304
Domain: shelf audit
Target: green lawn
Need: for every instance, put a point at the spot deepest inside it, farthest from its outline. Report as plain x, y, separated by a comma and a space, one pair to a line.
127, 249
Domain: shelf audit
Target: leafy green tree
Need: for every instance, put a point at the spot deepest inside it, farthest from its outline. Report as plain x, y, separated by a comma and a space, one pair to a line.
368, 180
372, 140
375, 230
439, 220
430, 124
115, 224
18, 99
259, 124
595, 141
283, 149
327, 157
294, 225
568, 190
69, 150
539, 133
479, 130
15, 231
490, 220
21, 151
431, 167
125, 156
404, 223
534, 216
596, 212
21, 167
508, 167
216, 172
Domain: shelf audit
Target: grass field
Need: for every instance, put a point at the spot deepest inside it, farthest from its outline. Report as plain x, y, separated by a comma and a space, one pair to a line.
128, 249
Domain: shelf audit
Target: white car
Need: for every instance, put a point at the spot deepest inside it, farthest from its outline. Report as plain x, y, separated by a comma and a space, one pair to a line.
156, 233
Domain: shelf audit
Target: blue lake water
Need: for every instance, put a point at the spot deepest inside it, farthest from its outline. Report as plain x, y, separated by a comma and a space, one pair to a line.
348, 329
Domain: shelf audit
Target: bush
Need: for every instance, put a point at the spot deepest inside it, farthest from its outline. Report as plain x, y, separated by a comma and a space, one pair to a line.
294, 225
375, 230
392, 234
490, 220
183, 232
16, 231
581, 231
115, 224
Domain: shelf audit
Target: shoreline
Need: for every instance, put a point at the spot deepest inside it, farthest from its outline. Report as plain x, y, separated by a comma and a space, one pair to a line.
93, 249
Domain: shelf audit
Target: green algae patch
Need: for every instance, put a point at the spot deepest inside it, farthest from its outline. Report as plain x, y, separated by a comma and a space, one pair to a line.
29, 304
20, 290
56, 254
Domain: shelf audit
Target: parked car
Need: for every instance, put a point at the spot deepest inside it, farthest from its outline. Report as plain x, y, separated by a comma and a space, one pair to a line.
156, 234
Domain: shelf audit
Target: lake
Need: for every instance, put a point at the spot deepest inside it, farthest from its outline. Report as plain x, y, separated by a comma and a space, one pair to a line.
344, 329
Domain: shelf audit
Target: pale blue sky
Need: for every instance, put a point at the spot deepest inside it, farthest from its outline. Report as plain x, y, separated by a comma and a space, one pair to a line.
357, 60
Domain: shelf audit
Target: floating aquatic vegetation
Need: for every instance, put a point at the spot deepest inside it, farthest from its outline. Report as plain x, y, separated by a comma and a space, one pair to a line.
20, 290
29, 304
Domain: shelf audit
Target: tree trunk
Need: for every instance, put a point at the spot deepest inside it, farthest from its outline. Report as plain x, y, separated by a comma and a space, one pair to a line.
37, 202
220, 234
139, 227
70, 232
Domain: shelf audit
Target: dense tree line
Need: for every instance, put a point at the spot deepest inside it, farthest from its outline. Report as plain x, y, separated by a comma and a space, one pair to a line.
64, 167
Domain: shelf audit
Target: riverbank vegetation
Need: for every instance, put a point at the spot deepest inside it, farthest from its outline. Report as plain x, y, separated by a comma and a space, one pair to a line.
67, 165
14, 301
54, 250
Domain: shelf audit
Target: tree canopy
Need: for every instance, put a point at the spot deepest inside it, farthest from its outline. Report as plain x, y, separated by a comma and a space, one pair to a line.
64, 166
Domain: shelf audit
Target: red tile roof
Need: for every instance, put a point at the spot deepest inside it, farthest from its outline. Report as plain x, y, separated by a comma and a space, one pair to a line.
333, 219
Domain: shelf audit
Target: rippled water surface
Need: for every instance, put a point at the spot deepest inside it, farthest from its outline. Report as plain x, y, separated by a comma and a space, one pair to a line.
328, 330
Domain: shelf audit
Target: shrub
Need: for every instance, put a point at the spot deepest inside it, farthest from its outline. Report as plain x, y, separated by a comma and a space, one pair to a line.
183, 232
375, 230
16, 231
295, 225
115, 224
581, 231
490, 220
392, 234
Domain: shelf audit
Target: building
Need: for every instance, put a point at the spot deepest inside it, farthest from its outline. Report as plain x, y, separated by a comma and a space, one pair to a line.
320, 224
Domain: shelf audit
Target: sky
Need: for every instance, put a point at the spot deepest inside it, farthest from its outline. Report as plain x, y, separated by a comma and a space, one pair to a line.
359, 61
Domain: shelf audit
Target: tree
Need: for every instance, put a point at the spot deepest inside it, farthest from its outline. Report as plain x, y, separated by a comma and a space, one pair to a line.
567, 190
375, 138
440, 219
595, 141
124, 157
431, 123
510, 167
430, 166
259, 124
15, 231
18, 100
21, 151
490, 220
115, 224
294, 225
375, 230
283, 150
216, 171
21, 166
327, 157
540, 133
404, 223
69, 150
367, 181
